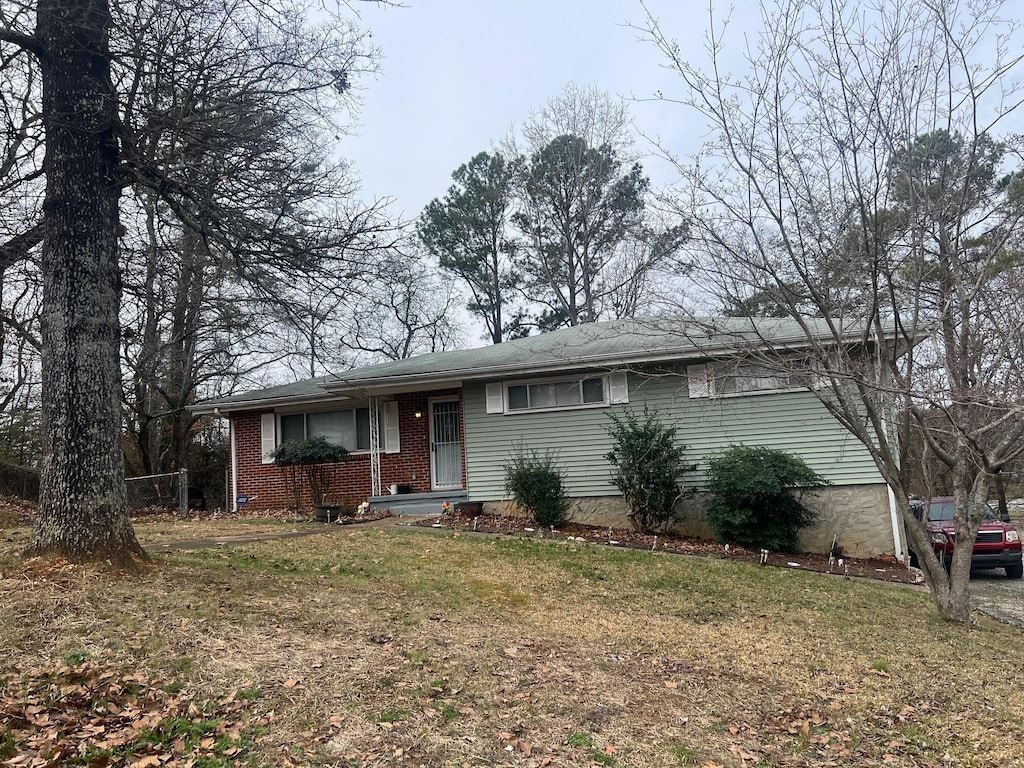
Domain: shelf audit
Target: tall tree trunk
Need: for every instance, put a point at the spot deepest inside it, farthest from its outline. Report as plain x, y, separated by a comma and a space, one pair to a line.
82, 513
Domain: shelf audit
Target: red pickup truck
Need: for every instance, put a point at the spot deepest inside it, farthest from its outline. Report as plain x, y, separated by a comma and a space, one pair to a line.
997, 546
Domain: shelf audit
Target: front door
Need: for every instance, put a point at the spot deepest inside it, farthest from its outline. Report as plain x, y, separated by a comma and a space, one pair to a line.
445, 445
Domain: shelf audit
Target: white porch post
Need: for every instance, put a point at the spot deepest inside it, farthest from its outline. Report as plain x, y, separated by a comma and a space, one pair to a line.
375, 487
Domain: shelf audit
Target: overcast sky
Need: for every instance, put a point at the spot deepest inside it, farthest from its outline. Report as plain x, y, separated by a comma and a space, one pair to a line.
457, 75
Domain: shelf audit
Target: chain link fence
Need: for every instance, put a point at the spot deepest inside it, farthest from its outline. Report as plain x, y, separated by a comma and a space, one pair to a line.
19, 482
168, 491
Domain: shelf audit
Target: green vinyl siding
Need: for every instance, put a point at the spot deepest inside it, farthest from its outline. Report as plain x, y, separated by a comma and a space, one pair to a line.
791, 421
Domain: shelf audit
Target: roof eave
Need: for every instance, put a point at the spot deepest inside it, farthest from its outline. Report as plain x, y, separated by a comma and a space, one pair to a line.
216, 408
455, 376
394, 384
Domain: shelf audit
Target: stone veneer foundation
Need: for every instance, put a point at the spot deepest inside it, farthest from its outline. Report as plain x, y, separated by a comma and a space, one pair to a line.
857, 514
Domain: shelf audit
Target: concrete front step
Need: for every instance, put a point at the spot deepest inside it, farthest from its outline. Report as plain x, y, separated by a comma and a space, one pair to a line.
418, 503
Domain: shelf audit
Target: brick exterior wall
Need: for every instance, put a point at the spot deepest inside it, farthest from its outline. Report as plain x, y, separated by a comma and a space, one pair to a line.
349, 481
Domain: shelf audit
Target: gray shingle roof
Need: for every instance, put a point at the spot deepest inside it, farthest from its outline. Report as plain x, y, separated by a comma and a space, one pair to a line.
298, 391
610, 343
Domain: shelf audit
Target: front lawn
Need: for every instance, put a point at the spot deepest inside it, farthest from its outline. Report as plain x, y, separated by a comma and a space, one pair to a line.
387, 647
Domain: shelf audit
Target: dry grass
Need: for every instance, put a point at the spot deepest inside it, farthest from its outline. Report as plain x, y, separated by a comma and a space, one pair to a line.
156, 532
153, 532
385, 646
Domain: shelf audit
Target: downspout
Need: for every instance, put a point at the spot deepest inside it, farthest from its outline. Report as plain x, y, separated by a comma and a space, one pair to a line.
897, 526
234, 466
893, 436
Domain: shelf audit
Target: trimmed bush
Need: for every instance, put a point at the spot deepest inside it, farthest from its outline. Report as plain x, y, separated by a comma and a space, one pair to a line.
757, 497
306, 461
536, 483
315, 450
647, 463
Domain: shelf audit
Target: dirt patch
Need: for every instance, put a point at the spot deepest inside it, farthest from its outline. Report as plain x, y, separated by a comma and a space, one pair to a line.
882, 568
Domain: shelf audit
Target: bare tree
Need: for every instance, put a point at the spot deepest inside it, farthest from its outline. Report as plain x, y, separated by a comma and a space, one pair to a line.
217, 118
82, 512
403, 309
586, 111
311, 328
588, 243
853, 177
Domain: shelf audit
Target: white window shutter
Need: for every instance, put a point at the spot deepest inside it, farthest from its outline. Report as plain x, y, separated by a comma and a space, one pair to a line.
268, 437
699, 383
392, 442
495, 398
618, 388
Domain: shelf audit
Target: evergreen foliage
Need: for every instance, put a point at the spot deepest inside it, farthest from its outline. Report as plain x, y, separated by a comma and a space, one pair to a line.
536, 483
757, 497
647, 463
305, 462
315, 450
468, 233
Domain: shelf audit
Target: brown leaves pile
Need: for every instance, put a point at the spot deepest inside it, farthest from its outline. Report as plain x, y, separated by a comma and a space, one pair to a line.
15, 511
102, 716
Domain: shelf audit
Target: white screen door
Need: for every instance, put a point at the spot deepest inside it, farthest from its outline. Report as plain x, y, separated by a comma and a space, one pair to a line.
445, 445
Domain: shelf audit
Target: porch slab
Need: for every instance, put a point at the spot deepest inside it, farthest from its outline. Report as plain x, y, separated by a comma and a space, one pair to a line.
418, 503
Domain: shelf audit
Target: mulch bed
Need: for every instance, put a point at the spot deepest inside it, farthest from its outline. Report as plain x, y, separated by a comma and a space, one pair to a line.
881, 568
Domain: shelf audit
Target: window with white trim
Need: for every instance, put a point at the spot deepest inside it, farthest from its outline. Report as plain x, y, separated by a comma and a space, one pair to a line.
735, 379
348, 427
743, 378
563, 393
568, 393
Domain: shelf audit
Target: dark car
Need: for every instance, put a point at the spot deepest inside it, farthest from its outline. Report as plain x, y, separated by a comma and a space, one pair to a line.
997, 546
